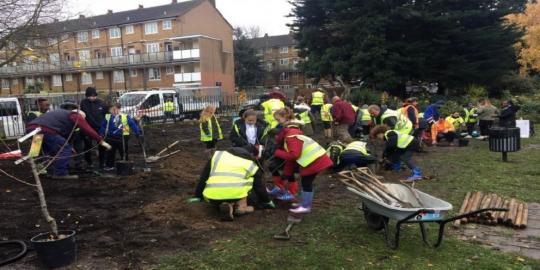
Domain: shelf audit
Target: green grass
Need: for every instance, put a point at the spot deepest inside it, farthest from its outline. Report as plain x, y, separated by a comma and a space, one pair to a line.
338, 238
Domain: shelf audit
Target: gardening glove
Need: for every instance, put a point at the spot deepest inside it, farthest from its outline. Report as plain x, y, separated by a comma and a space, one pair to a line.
194, 200
105, 145
269, 205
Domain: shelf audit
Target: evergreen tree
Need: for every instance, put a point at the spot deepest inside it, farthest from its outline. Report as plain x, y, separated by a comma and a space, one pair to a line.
247, 66
387, 43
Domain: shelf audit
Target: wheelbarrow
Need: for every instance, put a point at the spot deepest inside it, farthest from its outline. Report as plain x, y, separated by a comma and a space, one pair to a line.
425, 209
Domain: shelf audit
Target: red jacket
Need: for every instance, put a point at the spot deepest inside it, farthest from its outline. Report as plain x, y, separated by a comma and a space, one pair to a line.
294, 146
343, 113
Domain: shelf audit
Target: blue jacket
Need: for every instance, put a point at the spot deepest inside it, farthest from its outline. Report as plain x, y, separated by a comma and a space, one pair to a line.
115, 129
431, 113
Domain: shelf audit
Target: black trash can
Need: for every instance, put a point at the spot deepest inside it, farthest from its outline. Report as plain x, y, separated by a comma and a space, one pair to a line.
504, 140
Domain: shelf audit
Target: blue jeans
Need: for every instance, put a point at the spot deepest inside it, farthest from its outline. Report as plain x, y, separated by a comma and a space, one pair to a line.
52, 144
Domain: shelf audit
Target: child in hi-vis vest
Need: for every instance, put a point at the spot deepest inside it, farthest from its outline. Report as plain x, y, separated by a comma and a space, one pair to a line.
116, 128
210, 129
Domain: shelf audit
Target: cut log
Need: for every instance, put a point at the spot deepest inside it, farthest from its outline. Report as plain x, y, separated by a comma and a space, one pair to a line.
502, 215
469, 206
485, 203
492, 204
523, 223
519, 215
497, 204
476, 205
511, 214
463, 207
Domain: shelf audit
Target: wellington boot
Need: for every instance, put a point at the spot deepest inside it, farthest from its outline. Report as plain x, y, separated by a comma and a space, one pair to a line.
226, 211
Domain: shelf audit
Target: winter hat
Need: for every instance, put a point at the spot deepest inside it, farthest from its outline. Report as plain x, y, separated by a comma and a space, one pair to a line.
91, 92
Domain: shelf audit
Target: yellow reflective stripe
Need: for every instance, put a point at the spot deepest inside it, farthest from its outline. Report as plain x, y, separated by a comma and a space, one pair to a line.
358, 146
123, 120
227, 174
317, 98
311, 150
325, 113
227, 185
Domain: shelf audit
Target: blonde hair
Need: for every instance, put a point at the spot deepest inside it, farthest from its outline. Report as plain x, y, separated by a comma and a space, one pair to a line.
207, 113
286, 113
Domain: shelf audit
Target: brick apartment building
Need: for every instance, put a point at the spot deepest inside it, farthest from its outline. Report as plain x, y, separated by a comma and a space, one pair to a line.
183, 43
280, 59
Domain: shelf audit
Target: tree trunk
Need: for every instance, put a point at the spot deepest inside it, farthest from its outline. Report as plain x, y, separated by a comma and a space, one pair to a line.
346, 88
42, 202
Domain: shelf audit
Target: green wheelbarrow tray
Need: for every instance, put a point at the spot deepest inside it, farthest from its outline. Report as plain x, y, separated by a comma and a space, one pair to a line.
426, 209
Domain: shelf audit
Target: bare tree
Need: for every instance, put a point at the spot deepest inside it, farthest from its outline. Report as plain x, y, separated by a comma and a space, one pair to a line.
253, 31
22, 26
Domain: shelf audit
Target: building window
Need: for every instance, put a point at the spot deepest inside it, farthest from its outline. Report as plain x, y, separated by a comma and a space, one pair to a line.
269, 66
5, 84
15, 82
130, 29
56, 80
99, 75
295, 64
152, 47
95, 33
114, 32
82, 37
284, 50
284, 62
169, 70
167, 25
284, 76
118, 76
84, 54
69, 77
132, 73
150, 28
54, 58
52, 41
268, 50
154, 74
116, 51
86, 78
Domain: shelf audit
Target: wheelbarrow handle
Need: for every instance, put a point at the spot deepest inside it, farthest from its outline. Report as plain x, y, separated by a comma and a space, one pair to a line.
474, 213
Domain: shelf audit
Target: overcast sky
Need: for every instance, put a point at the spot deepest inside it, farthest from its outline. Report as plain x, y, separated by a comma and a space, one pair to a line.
269, 15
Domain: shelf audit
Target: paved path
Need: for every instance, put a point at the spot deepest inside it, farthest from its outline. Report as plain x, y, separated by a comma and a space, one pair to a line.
522, 241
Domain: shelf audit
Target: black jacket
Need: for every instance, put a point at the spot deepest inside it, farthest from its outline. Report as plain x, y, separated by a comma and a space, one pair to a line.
95, 112
507, 117
239, 138
389, 121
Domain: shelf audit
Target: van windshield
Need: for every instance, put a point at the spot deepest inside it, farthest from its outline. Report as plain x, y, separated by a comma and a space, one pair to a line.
8, 108
127, 100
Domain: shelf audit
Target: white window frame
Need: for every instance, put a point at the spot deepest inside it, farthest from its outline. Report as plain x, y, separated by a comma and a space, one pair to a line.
56, 80
82, 36
95, 34
153, 75
118, 76
284, 49
5, 83
99, 75
152, 47
116, 31
115, 51
68, 77
150, 28
284, 77
169, 70
86, 78
130, 29
54, 58
166, 24
133, 73
85, 53
284, 62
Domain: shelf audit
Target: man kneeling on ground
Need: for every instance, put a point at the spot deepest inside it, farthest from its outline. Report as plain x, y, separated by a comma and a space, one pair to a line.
443, 129
227, 179
354, 155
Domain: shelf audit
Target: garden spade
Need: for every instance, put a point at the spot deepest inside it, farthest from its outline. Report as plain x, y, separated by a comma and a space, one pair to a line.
285, 234
159, 155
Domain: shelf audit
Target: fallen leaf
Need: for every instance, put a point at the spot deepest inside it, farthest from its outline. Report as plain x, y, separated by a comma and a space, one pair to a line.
430, 265
349, 259
520, 259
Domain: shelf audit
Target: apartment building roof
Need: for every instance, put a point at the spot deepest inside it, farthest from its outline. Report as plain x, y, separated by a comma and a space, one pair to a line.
273, 41
141, 14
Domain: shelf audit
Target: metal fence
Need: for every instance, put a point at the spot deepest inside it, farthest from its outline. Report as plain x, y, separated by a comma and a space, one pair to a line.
154, 106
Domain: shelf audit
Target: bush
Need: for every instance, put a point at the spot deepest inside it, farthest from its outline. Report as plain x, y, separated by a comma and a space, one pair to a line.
518, 84
474, 91
365, 96
450, 107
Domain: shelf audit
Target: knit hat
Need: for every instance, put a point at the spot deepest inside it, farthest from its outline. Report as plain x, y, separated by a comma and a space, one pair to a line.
91, 92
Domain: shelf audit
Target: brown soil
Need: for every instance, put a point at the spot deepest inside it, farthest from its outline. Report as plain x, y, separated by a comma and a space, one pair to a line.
131, 222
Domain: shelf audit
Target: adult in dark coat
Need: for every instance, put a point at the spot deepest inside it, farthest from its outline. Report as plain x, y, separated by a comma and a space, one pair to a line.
95, 110
507, 116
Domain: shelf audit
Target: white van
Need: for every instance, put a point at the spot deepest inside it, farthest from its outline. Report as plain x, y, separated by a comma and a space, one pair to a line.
150, 104
11, 118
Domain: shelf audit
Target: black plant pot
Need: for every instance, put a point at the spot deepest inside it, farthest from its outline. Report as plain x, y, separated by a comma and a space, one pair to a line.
55, 253
124, 168
463, 142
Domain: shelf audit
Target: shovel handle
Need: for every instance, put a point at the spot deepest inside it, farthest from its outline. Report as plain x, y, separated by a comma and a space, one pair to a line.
167, 148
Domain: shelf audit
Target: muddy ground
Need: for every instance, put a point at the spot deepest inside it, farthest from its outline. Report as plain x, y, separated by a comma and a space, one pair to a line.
131, 222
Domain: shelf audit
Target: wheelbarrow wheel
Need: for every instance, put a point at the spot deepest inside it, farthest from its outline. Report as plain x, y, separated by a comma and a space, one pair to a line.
374, 220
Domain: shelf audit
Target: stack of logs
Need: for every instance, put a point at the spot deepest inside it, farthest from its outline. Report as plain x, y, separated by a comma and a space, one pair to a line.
515, 217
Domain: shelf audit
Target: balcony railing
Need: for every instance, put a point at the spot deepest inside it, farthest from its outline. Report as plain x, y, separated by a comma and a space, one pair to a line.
187, 77
101, 63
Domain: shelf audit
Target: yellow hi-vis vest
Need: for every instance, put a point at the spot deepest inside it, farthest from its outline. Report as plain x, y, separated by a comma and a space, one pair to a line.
365, 115
36, 113
403, 125
123, 120
469, 115
231, 177
311, 150
304, 116
357, 146
210, 136
355, 108
317, 98
456, 122
270, 107
168, 106
326, 116
403, 139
